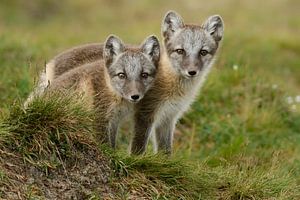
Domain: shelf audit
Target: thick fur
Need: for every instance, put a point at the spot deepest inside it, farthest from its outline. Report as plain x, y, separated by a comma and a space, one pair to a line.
92, 80
76, 57
64, 62
110, 93
73, 58
181, 73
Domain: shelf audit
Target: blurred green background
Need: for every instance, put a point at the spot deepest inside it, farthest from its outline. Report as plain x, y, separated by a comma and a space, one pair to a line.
261, 35
248, 112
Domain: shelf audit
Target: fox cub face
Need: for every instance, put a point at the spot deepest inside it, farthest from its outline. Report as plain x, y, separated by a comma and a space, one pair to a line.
191, 48
131, 69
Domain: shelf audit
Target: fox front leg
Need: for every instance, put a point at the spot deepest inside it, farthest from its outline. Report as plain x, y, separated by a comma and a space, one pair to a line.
142, 130
164, 136
113, 132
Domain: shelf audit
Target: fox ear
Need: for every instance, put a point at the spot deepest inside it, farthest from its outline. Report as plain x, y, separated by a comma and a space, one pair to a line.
151, 48
171, 23
113, 46
214, 26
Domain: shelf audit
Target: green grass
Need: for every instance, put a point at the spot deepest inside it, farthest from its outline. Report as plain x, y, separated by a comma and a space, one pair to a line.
162, 178
46, 133
240, 139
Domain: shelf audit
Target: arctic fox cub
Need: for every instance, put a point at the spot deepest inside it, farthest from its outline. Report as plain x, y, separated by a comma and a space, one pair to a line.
115, 83
187, 59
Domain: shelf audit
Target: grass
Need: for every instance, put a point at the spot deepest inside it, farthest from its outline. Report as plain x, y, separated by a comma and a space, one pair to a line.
47, 129
240, 139
182, 179
48, 142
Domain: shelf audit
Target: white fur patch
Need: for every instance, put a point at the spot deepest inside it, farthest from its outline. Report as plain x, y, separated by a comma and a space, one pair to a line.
38, 90
50, 71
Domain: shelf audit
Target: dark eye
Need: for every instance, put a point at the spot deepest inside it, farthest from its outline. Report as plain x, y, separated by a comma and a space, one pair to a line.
179, 51
121, 75
144, 75
203, 52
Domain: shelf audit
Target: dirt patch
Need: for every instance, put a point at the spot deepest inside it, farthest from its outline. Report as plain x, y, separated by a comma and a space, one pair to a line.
85, 176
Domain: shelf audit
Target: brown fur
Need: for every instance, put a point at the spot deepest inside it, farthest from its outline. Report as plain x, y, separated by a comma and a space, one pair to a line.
167, 85
73, 58
180, 76
100, 81
92, 80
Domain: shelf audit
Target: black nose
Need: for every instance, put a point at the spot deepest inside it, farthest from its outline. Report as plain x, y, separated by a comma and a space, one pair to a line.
135, 97
192, 73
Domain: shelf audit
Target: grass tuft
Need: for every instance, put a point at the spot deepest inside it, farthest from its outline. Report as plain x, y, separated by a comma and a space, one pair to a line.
51, 127
162, 176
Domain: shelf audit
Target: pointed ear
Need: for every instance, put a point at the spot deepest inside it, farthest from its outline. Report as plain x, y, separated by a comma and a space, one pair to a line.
151, 48
171, 23
113, 46
214, 26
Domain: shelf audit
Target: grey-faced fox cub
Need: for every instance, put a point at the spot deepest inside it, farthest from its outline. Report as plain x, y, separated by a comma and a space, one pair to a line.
188, 56
115, 83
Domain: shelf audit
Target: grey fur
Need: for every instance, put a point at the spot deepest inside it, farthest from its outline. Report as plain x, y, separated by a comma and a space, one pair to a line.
111, 95
214, 26
132, 64
172, 22
192, 39
175, 88
84, 54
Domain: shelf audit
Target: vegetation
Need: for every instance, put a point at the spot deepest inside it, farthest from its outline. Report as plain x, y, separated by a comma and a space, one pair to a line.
240, 140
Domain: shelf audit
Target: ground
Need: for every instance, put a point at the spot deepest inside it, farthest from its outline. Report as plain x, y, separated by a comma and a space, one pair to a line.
239, 140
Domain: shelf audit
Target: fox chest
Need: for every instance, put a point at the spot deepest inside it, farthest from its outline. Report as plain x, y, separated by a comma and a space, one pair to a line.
171, 109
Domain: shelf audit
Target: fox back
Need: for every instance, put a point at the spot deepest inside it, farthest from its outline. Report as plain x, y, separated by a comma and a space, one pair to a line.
72, 58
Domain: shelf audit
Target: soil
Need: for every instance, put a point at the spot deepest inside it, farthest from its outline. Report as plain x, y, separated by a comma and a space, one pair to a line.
81, 178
